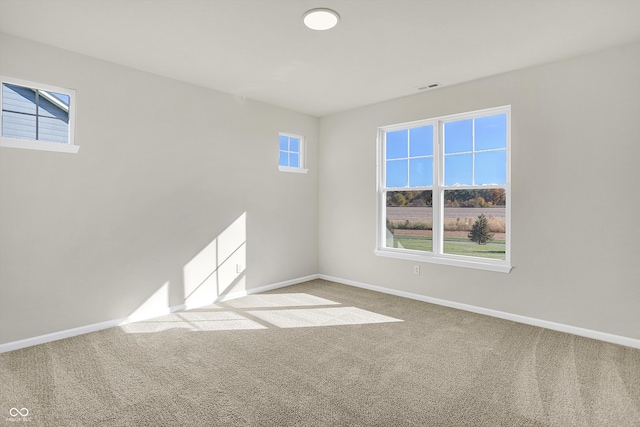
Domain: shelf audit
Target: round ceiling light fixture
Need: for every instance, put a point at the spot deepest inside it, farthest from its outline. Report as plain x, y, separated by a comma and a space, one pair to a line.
321, 19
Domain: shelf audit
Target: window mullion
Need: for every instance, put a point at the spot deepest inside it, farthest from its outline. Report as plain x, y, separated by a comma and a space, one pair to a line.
381, 211
437, 194
37, 115
408, 158
473, 152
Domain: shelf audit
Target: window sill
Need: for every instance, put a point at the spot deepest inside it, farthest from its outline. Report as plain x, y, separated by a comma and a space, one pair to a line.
38, 145
501, 267
290, 169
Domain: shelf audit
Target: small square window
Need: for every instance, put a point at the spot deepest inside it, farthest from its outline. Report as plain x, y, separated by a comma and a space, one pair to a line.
37, 116
291, 155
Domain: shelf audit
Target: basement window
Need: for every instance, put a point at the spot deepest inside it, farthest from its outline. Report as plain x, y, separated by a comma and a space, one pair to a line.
37, 116
444, 190
291, 153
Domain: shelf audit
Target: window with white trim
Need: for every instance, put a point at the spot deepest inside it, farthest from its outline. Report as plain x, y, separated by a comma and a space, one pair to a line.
291, 153
444, 190
37, 116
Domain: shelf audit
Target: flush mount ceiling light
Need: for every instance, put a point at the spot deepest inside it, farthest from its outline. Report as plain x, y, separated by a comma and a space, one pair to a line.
321, 19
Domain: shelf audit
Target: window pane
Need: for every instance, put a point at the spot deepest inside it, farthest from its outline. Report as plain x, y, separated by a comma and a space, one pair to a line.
53, 130
397, 173
284, 159
490, 167
18, 99
50, 108
462, 210
458, 136
293, 160
421, 141
457, 169
65, 99
284, 143
491, 132
409, 220
421, 172
22, 126
294, 145
397, 144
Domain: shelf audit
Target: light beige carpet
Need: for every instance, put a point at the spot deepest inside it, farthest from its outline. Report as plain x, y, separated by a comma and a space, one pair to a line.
323, 354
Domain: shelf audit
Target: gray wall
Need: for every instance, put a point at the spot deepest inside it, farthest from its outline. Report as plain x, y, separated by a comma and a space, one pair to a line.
163, 169
575, 174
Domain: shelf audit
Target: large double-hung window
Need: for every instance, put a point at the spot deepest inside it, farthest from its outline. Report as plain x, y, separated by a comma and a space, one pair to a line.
444, 190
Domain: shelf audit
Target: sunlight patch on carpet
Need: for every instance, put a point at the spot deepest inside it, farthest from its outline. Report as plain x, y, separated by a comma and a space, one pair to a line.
279, 300
300, 318
194, 321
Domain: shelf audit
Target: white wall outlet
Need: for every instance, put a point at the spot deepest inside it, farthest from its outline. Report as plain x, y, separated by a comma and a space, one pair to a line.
416, 269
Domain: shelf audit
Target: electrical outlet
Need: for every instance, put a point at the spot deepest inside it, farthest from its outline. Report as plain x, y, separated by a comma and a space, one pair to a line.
416, 269
239, 268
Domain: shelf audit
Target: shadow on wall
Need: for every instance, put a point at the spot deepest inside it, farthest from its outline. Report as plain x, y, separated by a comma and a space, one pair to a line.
214, 272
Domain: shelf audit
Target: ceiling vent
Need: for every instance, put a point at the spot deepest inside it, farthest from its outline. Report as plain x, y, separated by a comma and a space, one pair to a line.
431, 86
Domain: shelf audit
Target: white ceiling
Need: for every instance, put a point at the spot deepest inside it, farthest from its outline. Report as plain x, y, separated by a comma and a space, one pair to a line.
381, 49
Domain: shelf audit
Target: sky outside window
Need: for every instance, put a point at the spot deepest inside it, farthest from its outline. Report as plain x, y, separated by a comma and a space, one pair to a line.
289, 154
474, 153
409, 157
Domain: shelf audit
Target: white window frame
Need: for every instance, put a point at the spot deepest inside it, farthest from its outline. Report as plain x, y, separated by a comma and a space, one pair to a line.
30, 144
438, 189
302, 161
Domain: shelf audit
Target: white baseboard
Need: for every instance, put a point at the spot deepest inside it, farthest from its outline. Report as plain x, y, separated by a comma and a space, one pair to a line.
68, 333
54, 336
588, 333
